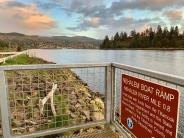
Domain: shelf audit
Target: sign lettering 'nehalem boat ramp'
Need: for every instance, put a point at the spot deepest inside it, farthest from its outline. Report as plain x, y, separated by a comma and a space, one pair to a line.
149, 110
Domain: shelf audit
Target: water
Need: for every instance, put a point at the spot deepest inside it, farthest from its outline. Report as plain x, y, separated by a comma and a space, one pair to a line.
164, 61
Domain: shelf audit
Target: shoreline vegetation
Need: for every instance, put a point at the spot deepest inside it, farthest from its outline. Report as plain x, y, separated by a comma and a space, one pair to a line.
161, 39
159, 49
74, 101
151, 48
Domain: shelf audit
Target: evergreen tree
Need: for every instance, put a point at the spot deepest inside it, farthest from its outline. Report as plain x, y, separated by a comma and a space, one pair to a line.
176, 32
165, 33
159, 32
106, 43
161, 38
122, 36
116, 37
133, 33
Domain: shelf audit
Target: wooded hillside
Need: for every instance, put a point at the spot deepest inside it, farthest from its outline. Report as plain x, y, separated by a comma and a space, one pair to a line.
18, 42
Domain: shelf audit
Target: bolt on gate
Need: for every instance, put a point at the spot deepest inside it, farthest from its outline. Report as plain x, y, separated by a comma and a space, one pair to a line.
85, 95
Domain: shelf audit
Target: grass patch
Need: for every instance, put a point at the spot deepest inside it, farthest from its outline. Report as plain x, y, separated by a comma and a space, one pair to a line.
24, 60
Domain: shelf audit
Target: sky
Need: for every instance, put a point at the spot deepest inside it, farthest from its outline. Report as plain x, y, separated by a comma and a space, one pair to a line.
92, 18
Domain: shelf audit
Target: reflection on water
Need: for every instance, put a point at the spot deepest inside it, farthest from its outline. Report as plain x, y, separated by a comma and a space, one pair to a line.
165, 61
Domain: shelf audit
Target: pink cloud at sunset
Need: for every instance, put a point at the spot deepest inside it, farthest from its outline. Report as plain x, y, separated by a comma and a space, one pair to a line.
39, 21
23, 18
175, 15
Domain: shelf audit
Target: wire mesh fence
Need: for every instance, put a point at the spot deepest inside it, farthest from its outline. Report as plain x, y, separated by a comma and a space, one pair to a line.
117, 101
34, 103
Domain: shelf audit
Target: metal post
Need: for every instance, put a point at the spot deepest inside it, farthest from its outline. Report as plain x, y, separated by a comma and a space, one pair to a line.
4, 107
108, 93
113, 94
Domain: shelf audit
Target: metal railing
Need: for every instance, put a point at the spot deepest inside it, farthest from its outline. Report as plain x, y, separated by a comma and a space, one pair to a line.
87, 95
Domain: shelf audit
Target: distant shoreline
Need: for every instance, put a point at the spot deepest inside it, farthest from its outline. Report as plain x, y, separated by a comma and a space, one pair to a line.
115, 48
158, 49
144, 49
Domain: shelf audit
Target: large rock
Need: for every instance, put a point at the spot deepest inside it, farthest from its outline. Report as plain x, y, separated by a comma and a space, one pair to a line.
86, 113
99, 103
96, 116
73, 115
17, 123
93, 107
77, 105
36, 113
32, 129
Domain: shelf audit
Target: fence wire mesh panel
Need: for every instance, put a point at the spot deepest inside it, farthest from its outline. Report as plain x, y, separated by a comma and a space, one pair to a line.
117, 100
55, 98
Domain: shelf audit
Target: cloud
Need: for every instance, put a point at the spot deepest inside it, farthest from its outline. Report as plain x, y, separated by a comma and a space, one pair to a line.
145, 4
49, 4
100, 9
39, 21
174, 15
11, 3
99, 16
2, 1
123, 23
114, 17
23, 18
85, 24
84, 7
127, 24
92, 22
77, 4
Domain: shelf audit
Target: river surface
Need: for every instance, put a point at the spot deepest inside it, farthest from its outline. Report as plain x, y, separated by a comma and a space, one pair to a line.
171, 62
